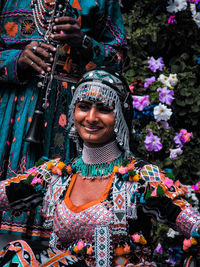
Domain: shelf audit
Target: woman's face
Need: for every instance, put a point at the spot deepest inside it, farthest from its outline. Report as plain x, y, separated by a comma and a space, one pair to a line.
94, 122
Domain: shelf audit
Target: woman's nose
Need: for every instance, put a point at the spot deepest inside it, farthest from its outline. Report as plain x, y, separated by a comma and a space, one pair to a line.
92, 115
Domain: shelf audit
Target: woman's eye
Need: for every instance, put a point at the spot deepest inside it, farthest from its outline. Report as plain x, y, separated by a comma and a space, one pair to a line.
105, 109
83, 107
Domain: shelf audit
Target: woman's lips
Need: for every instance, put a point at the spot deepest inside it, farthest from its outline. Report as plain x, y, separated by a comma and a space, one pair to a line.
92, 128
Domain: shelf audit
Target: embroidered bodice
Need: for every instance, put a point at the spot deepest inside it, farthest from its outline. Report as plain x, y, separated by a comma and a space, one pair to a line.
72, 223
70, 226
104, 221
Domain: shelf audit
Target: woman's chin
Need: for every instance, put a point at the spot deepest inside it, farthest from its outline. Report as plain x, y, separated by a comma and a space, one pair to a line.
96, 143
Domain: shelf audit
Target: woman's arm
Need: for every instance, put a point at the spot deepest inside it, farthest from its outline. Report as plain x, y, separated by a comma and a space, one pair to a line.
109, 45
164, 201
97, 38
8, 63
25, 191
17, 195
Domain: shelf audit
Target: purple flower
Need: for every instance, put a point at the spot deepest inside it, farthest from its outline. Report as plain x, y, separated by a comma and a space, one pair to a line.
140, 102
156, 64
149, 81
165, 125
182, 137
152, 142
174, 153
158, 249
178, 139
195, 2
165, 95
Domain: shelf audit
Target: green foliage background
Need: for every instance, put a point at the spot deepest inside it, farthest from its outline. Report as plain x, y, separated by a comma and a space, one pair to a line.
149, 34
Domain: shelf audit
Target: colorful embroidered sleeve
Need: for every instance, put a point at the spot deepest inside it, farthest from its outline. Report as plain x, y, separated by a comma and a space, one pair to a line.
164, 200
8, 65
25, 191
17, 195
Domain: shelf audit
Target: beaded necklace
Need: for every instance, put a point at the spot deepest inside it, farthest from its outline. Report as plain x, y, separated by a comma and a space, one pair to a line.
92, 171
42, 12
99, 161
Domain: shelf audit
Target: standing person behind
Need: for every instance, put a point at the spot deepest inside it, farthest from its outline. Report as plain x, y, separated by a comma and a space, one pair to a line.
93, 35
99, 204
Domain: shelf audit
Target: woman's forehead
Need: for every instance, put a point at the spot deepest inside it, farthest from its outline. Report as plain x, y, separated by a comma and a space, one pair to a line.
92, 102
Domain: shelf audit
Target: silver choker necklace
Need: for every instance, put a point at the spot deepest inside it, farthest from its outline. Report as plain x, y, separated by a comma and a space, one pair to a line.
99, 155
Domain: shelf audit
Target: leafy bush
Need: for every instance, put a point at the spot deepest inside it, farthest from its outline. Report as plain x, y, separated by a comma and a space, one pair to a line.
152, 31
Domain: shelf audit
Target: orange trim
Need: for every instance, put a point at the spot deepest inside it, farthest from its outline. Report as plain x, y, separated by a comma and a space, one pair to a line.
77, 209
55, 259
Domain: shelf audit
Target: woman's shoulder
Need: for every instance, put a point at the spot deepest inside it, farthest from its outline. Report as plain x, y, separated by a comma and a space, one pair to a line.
132, 169
45, 172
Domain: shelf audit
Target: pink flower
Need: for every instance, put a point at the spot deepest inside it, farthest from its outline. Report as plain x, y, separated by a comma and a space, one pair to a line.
131, 87
196, 187
187, 243
80, 245
136, 238
36, 181
140, 102
169, 183
172, 20
122, 170
182, 137
185, 136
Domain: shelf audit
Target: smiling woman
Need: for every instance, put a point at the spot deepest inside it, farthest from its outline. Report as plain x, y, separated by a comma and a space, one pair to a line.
99, 206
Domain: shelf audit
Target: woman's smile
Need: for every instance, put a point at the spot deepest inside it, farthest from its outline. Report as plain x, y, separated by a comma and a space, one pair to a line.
92, 128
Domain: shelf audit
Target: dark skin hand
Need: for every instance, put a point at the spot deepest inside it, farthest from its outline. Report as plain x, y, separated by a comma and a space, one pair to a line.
38, 60
68, 30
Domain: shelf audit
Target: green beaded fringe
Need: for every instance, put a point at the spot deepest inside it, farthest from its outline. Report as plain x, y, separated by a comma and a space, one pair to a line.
96, 170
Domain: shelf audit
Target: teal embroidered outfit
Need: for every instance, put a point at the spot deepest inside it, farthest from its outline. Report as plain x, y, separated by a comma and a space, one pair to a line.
102, 21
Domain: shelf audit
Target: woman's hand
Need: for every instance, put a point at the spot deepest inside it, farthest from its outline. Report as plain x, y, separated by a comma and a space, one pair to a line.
68, 30
36, 56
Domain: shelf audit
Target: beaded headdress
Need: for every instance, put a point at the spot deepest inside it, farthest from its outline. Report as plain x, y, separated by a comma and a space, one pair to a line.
100, 85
